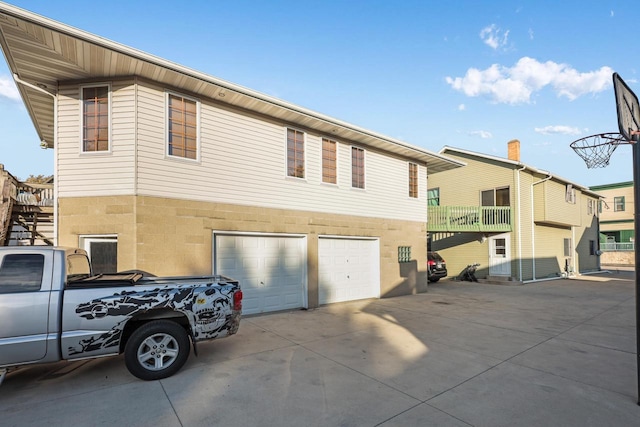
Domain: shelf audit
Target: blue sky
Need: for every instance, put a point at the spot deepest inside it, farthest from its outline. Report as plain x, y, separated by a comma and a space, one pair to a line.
467, 74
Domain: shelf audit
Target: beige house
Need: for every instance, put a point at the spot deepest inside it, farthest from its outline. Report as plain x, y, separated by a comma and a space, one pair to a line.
617, 235
162, 168
616, 212
518, 222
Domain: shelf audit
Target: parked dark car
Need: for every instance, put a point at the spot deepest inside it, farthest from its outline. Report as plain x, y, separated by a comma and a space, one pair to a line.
436, 266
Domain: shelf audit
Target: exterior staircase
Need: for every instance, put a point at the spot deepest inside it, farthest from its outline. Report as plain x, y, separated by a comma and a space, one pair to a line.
26, 212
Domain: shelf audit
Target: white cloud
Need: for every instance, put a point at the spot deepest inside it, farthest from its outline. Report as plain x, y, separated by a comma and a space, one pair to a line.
530, 33
559, 129
8, 88
462, 107
481, 133
494, 37
515, 85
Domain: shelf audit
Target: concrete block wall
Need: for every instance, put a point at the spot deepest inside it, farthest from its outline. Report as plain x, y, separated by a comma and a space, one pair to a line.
174, 237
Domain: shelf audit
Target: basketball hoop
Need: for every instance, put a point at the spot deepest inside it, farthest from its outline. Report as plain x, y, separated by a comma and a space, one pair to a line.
596, 150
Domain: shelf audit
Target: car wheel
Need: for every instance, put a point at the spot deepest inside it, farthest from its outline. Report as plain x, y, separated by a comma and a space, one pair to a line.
434, 279
157, 350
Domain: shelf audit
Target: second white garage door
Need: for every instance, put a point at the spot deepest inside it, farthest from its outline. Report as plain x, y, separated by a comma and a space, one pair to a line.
349, 269
271, 269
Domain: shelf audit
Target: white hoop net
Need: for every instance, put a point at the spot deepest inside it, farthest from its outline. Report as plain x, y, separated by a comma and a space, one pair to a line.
596, 150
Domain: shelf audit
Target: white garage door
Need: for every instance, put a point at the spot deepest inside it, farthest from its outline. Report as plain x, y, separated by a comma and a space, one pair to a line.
271, 269
349, 269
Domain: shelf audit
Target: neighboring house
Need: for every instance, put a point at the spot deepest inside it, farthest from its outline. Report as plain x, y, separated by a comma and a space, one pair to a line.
519, 222
162, 168
616, 215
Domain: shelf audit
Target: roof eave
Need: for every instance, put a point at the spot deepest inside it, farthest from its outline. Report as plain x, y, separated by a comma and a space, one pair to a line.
239, 96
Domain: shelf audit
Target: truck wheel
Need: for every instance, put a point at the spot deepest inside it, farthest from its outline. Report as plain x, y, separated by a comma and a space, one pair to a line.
157, 350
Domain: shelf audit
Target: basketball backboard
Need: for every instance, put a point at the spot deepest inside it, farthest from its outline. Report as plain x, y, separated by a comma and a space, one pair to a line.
628, 109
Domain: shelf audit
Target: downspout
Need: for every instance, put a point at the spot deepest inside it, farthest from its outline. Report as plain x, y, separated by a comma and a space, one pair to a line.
533, 225
574, 249
44, 144
598, 251
518, 205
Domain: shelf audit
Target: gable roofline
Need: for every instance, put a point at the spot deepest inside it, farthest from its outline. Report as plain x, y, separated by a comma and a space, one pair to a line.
520, 165
41, 53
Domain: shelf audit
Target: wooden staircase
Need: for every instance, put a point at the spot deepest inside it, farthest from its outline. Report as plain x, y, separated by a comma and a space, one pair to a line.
26, 212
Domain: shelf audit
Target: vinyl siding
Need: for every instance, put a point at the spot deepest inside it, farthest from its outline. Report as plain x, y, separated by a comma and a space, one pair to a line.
523, 228
549, 250
95, 174
551, 204
608, 210
587, 231
462, 186
460, 250
243, 162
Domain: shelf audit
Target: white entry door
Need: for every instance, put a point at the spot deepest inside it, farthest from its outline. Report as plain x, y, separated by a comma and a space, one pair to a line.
348, 269
500, 255
271, 269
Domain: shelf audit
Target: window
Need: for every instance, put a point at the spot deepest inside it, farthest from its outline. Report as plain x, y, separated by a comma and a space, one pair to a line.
570, 194
495, 197
21, 273
329, 161
102, 251
433, 197
295, 153
404, 253
591, 207
567, 247
357, 167
182, 122
592, 247
500, 247
495, 202
618, 204
95, 119
413, 180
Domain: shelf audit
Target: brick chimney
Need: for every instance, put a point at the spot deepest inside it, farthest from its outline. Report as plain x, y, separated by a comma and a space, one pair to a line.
513, 150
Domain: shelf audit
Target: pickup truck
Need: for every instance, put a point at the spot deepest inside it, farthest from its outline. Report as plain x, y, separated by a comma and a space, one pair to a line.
53, 308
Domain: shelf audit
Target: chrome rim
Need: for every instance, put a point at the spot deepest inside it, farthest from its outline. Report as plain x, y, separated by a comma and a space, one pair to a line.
158, 352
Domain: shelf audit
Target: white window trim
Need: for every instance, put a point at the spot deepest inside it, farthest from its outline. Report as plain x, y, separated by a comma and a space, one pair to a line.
81, 133
286, 154
337, 162
167, 93
85, 239
364, 159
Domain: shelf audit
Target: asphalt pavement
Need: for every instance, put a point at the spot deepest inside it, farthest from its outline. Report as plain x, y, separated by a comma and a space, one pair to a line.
552, 353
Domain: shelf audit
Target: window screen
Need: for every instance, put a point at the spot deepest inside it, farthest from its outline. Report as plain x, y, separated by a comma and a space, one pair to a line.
104, 256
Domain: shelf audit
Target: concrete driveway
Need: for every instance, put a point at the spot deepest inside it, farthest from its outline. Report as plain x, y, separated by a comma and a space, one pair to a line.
555, 353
